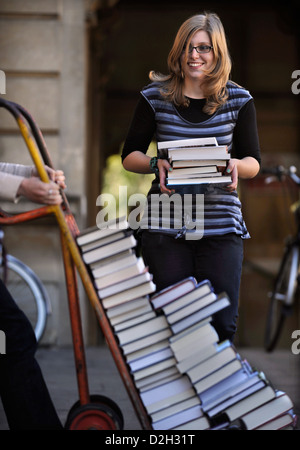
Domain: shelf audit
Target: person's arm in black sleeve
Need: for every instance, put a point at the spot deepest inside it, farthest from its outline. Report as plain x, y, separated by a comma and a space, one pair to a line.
141, 130
245, 135
245, 157
138, 139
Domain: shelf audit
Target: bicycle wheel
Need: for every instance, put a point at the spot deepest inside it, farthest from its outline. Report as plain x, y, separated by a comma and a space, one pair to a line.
282, 297
28, 292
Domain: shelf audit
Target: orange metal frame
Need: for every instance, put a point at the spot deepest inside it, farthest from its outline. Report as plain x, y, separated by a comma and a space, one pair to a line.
73, 263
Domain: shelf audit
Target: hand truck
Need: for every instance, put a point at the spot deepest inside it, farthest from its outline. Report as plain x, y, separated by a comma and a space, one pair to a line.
90, 411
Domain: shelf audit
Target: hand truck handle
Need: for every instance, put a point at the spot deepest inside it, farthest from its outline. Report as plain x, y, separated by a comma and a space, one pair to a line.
37, 146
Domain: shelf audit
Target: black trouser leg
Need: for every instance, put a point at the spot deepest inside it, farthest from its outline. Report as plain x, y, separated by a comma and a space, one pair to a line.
23, 391
218, 259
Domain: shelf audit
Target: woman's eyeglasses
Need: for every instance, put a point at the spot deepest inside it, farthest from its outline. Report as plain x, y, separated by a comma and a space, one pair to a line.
199, 48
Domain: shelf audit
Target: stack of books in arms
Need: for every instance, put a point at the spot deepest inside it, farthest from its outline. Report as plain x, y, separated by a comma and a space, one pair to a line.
186, 378
195, 161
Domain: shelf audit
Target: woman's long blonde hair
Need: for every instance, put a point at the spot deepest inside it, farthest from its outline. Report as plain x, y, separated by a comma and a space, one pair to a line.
214, 84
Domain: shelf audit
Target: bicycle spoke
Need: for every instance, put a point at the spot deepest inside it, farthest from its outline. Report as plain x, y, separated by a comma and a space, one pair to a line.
282, 298
28, 295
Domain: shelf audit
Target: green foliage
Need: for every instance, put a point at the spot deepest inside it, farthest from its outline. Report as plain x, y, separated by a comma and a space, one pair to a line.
116, 176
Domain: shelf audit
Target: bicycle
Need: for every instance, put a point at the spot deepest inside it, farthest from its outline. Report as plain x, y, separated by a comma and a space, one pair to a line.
26, 289
286, 288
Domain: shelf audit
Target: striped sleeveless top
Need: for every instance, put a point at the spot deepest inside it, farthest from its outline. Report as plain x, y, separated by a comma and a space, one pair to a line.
222, 209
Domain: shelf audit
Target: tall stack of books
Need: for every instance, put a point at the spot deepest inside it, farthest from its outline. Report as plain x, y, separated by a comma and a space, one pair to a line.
174, 402
231, 392
186, 378
119, 275
195, 161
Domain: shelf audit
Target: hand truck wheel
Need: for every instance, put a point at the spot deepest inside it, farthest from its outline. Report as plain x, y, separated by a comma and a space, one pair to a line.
101, 413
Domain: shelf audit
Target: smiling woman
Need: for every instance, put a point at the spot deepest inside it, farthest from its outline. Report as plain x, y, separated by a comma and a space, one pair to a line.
196, 62
195, 99
207, 29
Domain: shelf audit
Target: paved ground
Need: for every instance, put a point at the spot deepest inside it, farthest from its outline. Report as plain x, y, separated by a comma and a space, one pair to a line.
281, 368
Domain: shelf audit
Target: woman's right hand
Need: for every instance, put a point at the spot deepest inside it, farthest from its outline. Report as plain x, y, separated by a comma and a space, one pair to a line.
164, 167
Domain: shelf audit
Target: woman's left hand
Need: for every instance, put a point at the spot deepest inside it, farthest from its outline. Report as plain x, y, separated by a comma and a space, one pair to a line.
244, 168
232, 170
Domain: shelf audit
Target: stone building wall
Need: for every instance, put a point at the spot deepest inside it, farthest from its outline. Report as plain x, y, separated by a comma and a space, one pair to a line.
42, 53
